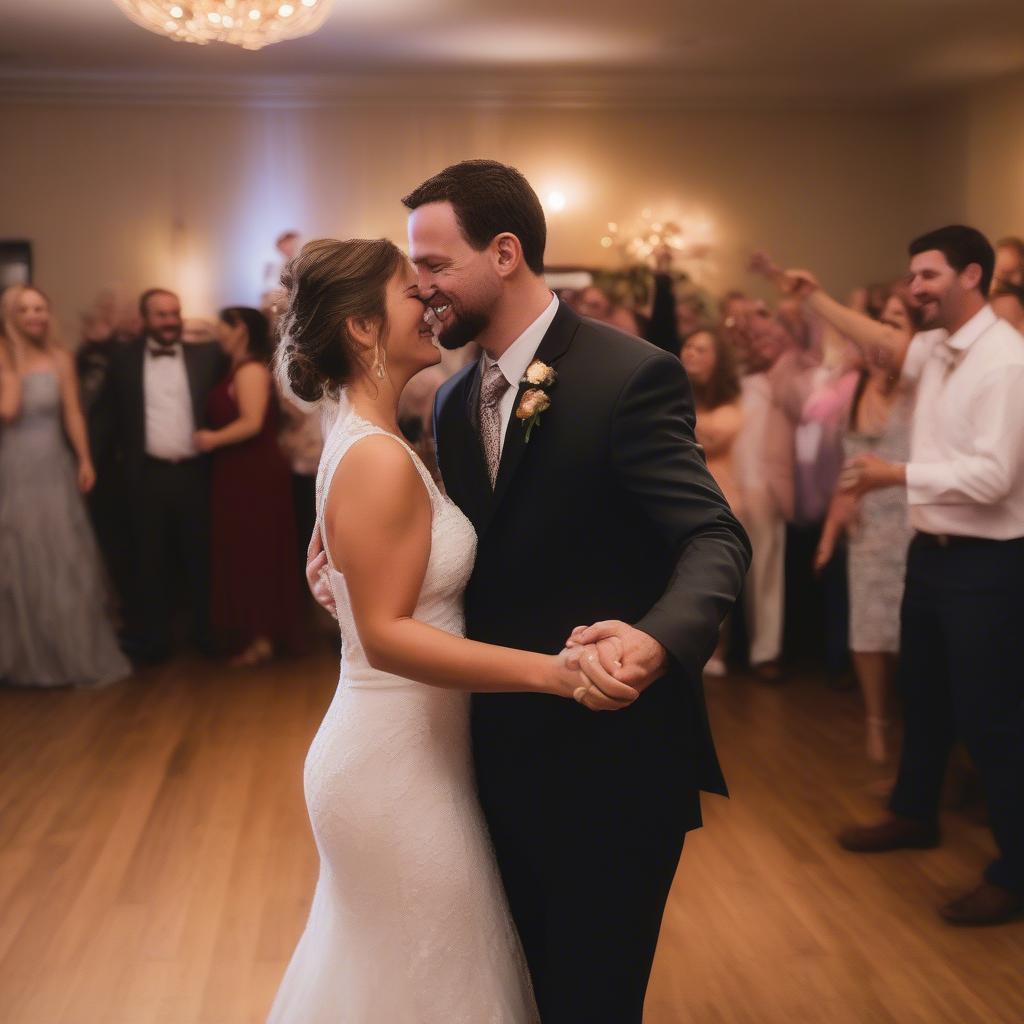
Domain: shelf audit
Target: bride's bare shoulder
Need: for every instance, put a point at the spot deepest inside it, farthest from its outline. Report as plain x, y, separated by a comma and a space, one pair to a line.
377, 482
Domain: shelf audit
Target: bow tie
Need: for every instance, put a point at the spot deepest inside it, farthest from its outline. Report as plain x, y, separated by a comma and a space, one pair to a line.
163, 350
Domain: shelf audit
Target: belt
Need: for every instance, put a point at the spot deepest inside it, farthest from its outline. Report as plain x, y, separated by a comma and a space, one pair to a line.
953, 540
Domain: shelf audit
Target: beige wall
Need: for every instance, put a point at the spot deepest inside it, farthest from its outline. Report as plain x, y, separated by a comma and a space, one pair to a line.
191, 197
995, 158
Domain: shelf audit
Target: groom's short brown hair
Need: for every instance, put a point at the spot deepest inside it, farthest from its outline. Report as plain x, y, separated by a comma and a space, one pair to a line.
489, 198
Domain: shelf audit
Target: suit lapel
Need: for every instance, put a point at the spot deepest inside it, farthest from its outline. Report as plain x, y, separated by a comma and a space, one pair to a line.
552, 347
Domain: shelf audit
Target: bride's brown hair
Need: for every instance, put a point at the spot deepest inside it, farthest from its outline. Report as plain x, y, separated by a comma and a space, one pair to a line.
327, 283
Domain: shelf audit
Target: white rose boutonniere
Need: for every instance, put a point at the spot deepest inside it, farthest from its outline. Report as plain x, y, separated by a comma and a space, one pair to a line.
535, 399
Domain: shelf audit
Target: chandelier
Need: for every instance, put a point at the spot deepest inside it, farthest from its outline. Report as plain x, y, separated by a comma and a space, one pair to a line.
251, 24
687, 240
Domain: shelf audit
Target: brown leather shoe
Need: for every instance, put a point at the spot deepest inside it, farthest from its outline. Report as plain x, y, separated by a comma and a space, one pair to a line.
894, 833
988, 904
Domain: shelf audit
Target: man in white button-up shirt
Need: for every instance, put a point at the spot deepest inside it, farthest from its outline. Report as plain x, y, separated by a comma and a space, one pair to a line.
962, 626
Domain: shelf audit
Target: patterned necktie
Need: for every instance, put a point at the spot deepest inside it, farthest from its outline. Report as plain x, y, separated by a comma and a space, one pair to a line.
492, 389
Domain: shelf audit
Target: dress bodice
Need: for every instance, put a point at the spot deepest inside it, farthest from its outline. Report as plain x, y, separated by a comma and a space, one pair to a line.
40, 411
452, 554
33, 445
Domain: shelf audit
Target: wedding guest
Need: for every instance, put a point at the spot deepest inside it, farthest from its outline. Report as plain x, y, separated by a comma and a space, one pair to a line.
709, 364
737, 312
819, 392
107, 501
254, 602
962, 646
662, 325
301, 441
1007, 296
816, 390
153, 400
286, 245
764, 467
594, 302
876, 527
54, 625
691, 314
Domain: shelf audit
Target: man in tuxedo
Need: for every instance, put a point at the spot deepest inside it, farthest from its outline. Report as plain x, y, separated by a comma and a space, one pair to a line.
153, 400
602, 510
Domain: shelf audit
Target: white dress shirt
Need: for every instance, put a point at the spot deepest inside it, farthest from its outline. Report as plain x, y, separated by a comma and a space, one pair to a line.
516, 358
966, 471
170, 421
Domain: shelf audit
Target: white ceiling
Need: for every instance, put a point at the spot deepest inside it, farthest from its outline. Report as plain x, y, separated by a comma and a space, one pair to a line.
678, 50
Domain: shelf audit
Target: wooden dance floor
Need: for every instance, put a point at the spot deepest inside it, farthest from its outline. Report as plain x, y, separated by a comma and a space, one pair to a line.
156, 864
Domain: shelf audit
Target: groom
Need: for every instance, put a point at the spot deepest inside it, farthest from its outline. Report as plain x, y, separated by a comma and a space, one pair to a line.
600, 509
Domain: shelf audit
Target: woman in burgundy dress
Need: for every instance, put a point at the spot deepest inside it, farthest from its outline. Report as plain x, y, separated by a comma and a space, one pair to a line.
255, 593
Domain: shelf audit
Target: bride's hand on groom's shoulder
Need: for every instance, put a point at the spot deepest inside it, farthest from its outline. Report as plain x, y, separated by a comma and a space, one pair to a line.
592, 682
642, 659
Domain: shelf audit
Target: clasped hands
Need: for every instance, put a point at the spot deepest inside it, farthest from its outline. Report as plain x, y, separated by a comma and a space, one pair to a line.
616, 662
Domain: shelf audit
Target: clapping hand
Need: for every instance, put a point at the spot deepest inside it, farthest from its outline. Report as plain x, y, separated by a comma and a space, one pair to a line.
637, 660
870, 473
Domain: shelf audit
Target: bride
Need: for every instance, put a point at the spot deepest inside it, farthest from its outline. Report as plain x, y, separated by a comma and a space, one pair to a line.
409, 924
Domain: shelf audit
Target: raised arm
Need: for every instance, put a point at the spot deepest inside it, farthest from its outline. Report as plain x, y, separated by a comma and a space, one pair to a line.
378, 532
876, 340
662, 329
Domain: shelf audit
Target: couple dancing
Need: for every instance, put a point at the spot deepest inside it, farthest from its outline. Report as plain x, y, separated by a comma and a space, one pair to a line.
504, 858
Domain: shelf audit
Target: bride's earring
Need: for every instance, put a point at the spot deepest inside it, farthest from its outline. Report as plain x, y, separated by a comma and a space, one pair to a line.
380, 362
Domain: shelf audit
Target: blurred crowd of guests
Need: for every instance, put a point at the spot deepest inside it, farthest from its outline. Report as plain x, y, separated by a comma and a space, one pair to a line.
199, 476
785, 395
197, 482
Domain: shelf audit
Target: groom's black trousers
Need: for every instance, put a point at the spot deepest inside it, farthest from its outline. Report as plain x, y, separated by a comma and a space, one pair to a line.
962, 677
588, 843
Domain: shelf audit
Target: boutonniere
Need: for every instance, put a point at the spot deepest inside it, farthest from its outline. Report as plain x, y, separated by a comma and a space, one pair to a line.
535, 399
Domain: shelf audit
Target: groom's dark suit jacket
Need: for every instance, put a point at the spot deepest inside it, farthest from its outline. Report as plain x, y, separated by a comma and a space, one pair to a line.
608, 512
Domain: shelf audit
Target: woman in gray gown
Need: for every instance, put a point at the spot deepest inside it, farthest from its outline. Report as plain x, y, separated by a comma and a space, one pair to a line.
54, 623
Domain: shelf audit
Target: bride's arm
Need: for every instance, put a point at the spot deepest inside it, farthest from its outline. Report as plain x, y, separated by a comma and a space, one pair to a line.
377, 521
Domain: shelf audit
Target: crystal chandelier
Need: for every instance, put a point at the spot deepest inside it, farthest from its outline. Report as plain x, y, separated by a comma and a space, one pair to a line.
251, 24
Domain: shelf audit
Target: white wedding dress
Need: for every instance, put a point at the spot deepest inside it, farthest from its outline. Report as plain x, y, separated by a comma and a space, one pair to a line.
409, 923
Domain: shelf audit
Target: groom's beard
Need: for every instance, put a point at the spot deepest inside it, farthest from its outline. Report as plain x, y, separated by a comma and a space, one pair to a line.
464, 328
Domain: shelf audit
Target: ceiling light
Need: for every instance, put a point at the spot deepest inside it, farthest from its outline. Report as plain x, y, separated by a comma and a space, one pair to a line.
223, 21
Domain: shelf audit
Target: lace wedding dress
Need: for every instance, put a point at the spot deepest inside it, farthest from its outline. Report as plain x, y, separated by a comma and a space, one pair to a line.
409, 923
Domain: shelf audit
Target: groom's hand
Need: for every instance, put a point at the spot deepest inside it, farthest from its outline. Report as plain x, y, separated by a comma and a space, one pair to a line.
599, 690
316, 574
643, 658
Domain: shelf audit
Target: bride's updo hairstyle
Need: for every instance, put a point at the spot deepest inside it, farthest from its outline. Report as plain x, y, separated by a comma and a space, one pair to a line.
326, 284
